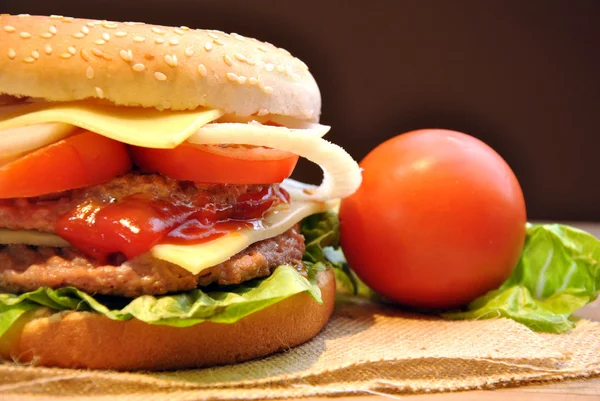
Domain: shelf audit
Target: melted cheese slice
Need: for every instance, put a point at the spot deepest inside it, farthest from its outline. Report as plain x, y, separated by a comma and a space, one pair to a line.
196, 258
138, 126
31, 237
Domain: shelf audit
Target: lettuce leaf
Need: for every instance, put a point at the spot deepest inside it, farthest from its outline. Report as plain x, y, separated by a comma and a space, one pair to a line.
322, 236
558, 273
221, 305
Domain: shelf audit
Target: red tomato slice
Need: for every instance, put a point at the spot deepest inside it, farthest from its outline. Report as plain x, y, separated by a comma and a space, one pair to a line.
214, 164
80, 160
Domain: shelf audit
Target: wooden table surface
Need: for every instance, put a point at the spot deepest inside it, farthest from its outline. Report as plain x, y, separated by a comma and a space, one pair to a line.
580, 390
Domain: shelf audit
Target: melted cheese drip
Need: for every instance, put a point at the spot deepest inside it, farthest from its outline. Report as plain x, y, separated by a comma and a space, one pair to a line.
132, 125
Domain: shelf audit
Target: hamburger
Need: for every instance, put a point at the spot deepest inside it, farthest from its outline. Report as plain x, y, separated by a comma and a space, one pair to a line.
147, 220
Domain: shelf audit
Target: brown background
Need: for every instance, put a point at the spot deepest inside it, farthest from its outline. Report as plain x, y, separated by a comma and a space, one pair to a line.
522, 76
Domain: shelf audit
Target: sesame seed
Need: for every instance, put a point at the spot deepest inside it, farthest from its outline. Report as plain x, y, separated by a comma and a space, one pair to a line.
85, 30
184, 28
238, 37
189, 51
250, 61
159, 41
232, 77
106, 57
227, 60
218, 42
29, 59
207, 47
99, 92
9, 29
202, 70
212, 35
12, 53
160, 76
23, 15
120, 34
178, 31
91, 24
171, 60
126, 55
54, 16
109, 25
106, 36
67, 19
268, 90
269, 67
138, 67
66, 55
97, 52
242, 80
72, 50
100, 42
78, 35
84, 55
158, 30
173, 42
262, 49
252, 81
89, 72
35, 54
52, 30
48, 49
139, 39
240, 57
46, 35
25, 35
281, 68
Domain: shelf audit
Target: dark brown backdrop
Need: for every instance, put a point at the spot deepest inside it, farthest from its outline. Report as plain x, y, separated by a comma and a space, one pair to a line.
522, 76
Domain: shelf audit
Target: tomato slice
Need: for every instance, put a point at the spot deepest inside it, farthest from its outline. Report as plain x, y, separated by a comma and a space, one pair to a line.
217, 164
80, 160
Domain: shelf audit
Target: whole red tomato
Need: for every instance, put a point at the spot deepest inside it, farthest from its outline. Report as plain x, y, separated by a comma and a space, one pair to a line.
438, 220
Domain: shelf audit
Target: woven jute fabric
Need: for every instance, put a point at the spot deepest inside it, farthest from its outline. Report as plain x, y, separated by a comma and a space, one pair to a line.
364, 349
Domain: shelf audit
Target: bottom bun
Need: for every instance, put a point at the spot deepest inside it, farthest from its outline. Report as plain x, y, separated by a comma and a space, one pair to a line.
89, 340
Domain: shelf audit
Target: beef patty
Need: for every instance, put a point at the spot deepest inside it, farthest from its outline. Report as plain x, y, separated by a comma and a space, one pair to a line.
26, 268
41, 213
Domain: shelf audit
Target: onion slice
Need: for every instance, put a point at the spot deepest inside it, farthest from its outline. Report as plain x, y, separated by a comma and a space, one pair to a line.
341, 174
21, 140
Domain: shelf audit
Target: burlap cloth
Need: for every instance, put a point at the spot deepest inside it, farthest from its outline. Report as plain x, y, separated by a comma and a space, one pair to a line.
364, 348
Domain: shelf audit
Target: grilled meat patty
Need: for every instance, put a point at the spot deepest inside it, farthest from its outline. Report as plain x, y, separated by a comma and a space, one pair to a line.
41, 213
26, 268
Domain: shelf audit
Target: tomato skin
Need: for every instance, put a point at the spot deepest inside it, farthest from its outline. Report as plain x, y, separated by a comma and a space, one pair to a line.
199, 163
80, 160
438, 221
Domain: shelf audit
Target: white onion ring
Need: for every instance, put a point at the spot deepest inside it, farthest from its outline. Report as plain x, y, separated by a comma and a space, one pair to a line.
341, 174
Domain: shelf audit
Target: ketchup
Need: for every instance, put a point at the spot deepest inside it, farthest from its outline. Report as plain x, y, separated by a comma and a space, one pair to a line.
134, 224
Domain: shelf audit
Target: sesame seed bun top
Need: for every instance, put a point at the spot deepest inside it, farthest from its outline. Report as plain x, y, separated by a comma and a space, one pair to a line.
132, 64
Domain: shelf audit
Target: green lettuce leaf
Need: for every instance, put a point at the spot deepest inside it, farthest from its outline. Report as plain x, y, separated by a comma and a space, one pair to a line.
225, 304
558, 273
322, 236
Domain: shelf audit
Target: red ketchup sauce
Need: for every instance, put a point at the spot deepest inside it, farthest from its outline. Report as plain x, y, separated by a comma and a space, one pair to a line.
134, 224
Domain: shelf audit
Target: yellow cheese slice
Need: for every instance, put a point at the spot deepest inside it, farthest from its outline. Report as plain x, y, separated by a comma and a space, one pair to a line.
196, 258
138, 126
31, 237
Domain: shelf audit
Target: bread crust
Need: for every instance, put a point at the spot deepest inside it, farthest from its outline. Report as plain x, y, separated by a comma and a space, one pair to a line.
89, 340
130, 64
